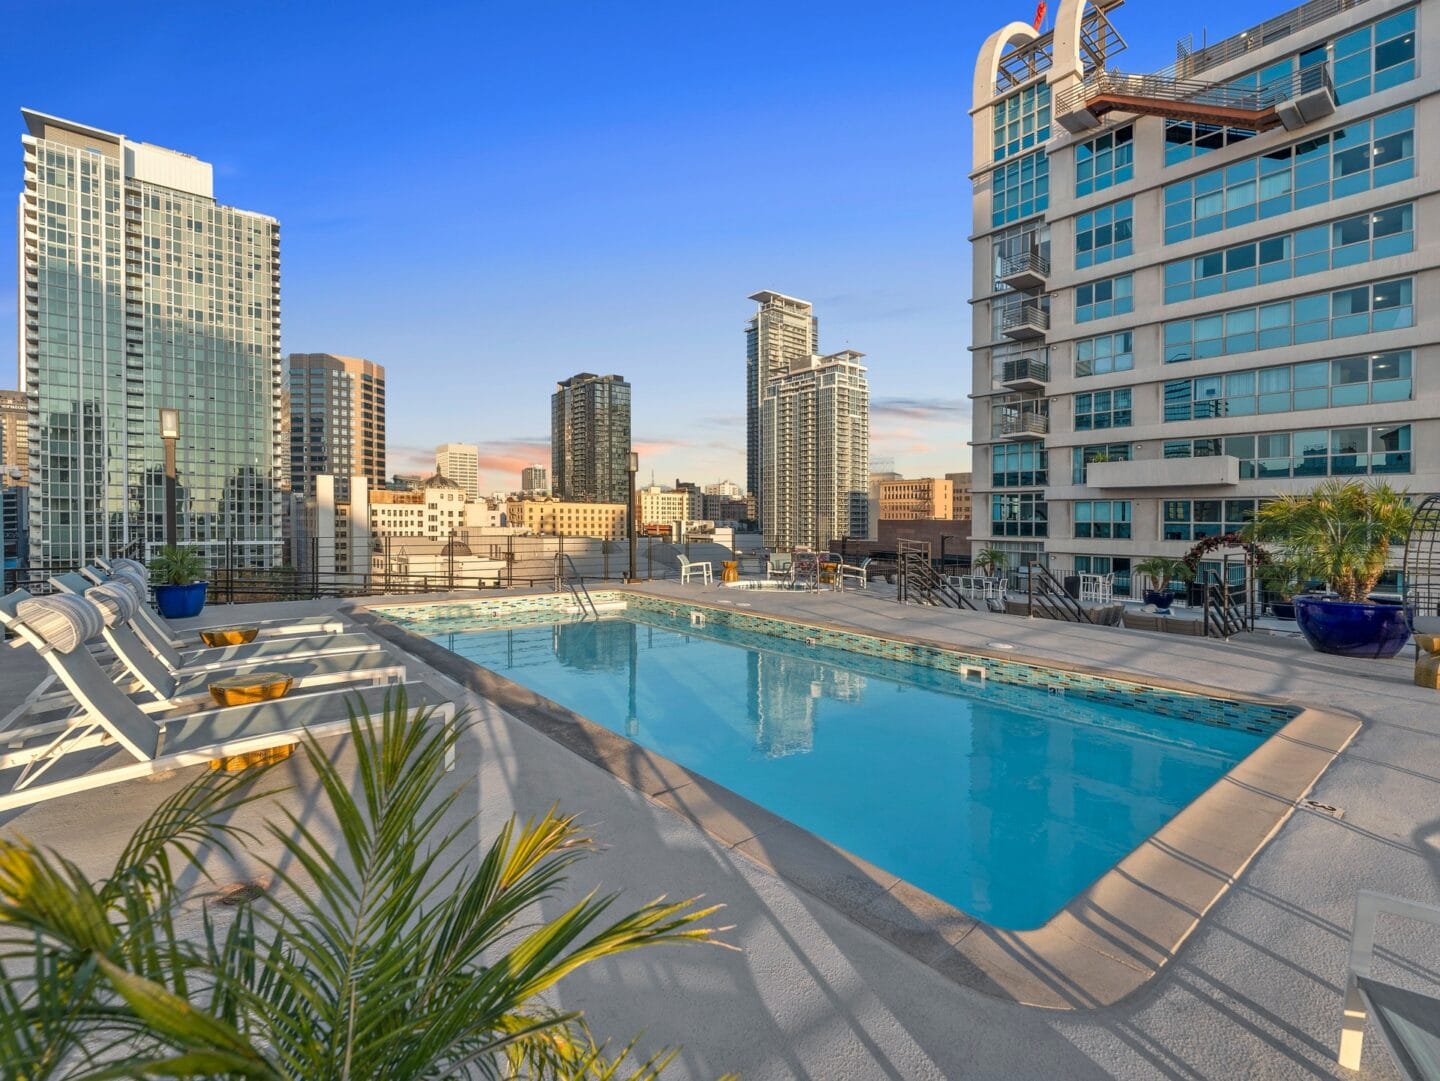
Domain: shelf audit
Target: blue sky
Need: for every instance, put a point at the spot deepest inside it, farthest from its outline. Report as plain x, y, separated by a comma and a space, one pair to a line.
488, 197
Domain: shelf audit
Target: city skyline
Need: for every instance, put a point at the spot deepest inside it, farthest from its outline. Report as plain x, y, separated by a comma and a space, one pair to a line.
880, 245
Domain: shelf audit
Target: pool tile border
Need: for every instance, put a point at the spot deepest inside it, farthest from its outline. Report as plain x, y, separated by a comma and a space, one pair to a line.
1102, 947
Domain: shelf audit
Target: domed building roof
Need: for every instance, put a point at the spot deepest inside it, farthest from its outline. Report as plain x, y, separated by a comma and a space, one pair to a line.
439, 480
456, 548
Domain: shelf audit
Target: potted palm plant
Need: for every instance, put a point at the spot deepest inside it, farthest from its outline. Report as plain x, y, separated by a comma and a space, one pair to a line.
990, 561
1340, 531
178, 580
1282, 579
1161, 571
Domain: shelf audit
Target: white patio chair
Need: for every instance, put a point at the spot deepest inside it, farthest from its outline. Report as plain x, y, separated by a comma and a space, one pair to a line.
1099, 588
158, 627
690, 567
854, 572
33, 764
1408, 1021
778, 566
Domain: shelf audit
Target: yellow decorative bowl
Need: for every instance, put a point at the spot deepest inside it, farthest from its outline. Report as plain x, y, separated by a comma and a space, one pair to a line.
248, 689
229, 636
1428, 643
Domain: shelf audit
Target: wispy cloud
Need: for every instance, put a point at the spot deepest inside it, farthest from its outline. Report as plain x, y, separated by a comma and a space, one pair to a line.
924, 410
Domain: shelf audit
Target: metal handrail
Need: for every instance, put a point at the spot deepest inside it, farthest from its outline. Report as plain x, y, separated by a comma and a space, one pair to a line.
562, 559
1194, 92
1027, 260
916, 573
1028, 314
1025, 368
1271, 30
1031, 421
1053, 600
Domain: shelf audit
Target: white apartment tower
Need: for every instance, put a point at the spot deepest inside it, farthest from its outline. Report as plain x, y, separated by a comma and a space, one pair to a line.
783, 331
1200, 288
139, 292
815, 450
461, 463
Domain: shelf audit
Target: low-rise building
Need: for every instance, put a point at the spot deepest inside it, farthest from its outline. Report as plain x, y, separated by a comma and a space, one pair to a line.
562, 518
655, 505
914, 499
961, 483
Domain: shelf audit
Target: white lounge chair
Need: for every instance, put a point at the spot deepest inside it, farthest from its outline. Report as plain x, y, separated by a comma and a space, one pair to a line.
690, 567
1408, 1021
291, 647
45, 761
158, 627
855, 572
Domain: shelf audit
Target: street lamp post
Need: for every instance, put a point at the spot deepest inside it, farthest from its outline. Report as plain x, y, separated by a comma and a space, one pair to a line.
169, 433
634, 468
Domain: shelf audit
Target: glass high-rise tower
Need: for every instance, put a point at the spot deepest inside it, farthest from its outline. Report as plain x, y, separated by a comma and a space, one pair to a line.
138, 291
590, 439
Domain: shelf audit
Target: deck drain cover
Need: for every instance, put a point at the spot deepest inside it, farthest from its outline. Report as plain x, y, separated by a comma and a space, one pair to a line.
1322, 808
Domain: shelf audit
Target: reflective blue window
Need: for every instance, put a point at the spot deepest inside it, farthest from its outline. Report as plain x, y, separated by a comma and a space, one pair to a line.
1315, 384
1020, 188
1102, 409
1105, 160
1375, 450
1022, 121
1104, 298
1019, 465
1104, 233
1103, 519
1105, 353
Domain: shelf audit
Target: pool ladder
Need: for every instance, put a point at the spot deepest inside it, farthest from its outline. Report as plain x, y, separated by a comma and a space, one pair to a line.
576, 584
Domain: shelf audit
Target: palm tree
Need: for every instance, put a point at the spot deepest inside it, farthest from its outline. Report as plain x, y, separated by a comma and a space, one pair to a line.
990, 560
1162, 570
1339, 531
402, 951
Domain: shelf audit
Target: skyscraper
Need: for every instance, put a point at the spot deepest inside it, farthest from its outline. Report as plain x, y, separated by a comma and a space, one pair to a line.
815, 427
337, 421
782, 332
1182, 308
461, 463
590, 439
533, 479
14, 435
138, 291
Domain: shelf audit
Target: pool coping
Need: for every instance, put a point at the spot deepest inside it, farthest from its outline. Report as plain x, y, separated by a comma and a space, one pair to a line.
1105, 944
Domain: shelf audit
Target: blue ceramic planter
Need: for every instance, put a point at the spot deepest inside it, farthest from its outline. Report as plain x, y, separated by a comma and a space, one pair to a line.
1351, 628
180, 602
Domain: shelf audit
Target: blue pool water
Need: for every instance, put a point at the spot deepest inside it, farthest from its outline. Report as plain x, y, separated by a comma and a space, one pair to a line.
1003, 800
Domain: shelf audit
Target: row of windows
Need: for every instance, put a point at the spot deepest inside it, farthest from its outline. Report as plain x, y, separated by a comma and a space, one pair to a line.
1347, 242
1104, 298
1103, 519
1104, 233
1102, 409
1019, 514
1104, 161
1104, 354
1319, 384
1019, 465
1191, 519
1358, 157
1344, 312
1022, 121
1334, 452
1020, 189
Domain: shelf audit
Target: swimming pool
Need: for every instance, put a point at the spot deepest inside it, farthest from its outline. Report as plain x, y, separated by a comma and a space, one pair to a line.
1004, 798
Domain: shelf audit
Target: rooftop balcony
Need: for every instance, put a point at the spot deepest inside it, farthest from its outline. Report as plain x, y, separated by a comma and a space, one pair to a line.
1024, 425
1025, 374
1025, 322
1026, 271
1212, 471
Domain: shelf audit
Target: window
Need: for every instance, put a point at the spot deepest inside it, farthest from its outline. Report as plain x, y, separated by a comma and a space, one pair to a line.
1317, 384
1192, 519
1020, 189
1019, 514
1016, 241
1104, 354
1116, 565
1104, 298
1021, 121
1359, 157
1375, 57
1080, 457
1103, 519
1337, 452
1104, 234
1185, 139
1347, 242
1319, 316
1019, 465
1104, 161
1102, 409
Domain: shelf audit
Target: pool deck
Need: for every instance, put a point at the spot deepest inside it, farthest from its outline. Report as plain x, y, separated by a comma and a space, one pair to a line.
1254, 991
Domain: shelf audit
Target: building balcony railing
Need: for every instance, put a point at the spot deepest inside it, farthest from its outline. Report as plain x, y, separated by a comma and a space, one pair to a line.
1026, 271
1024, 424
1026, 321
1026, 373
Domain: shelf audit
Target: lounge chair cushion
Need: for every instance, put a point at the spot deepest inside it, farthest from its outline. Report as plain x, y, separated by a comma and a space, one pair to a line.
116, 600
63, 621
120, 565
139, 584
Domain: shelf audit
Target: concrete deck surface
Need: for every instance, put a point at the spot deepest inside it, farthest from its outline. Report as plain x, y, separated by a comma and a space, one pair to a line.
1254, 993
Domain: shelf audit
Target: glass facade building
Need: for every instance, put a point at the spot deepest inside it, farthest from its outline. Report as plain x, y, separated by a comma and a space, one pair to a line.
590, 439
138, 291
1151, 288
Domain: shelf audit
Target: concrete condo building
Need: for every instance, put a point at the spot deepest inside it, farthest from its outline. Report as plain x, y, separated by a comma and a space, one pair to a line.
1189, 298
337, 421
14, 436
815, 452
533, 479
590, 439
138, 291
461, 463
783, 332
961, 497
905, 500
